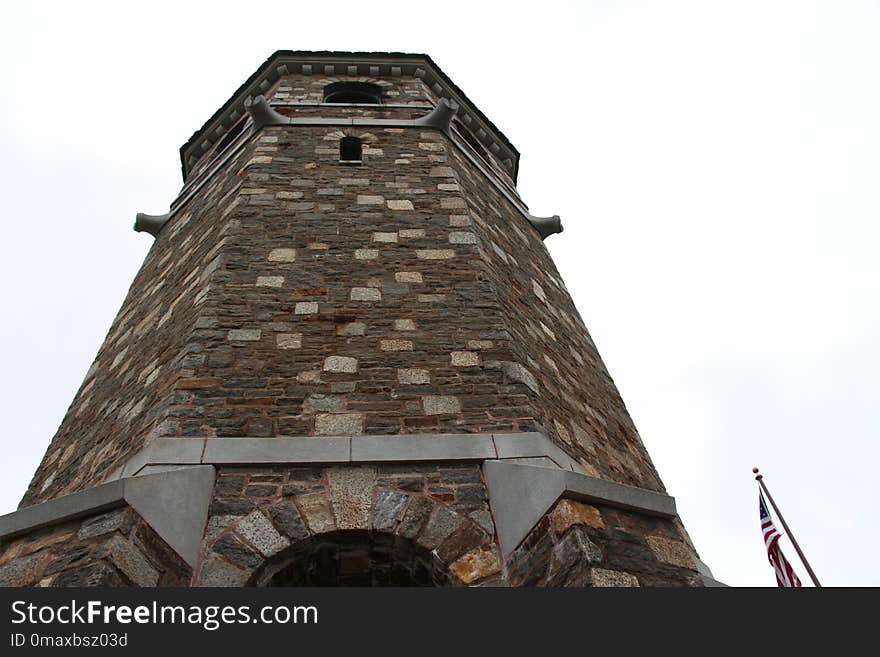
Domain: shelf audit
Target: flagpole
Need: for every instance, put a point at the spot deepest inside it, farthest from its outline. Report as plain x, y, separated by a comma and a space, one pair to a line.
760, 478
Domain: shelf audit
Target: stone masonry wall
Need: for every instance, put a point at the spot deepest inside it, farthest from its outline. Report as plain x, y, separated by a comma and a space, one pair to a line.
351, 300
570, 391
577, 544
114, 548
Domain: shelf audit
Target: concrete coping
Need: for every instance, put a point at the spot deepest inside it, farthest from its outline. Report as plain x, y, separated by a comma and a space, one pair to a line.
520, 494
170, 482
348, 449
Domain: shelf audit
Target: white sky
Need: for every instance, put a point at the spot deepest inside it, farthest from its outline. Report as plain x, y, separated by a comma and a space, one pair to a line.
715, 165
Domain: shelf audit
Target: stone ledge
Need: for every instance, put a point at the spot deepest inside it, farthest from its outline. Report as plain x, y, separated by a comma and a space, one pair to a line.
521, 494
174, 503
331, 450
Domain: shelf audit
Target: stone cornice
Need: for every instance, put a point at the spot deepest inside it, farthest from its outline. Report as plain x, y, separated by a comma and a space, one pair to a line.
286, 62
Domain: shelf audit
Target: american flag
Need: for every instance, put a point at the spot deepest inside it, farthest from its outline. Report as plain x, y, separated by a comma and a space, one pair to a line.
785, 576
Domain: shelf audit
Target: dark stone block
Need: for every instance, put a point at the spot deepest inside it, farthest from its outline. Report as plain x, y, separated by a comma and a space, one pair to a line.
288, 520
572, 558
94, 574
235, 551
415, 517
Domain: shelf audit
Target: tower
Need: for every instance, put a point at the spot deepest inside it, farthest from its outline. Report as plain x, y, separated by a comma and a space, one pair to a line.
347, 359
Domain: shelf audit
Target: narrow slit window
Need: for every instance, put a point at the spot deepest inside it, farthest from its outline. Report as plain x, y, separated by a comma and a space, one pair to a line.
350, 149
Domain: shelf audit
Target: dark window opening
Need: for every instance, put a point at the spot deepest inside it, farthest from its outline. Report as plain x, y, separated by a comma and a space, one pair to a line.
472, 140
353, 92
354, 558
350, 149
231, 135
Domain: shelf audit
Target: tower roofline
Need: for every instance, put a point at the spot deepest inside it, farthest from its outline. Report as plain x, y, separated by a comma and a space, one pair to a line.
283, 62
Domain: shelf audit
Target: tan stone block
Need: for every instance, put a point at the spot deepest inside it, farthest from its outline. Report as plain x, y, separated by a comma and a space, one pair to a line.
282, 255
480, 344
441, 405
612, 578
385, 237
476, 565
364, 199
270, 281
396, 345
672, 552
461, 237
366, 254
400, 204
412, 376
351, 495
465, 358
317, 512
244, 335
404, 325
344, 364
570, 512
305, 308
339, 424
435, 254
288, 340
408, 277
365, 294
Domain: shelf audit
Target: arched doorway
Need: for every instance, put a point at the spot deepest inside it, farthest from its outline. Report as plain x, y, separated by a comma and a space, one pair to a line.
354, 558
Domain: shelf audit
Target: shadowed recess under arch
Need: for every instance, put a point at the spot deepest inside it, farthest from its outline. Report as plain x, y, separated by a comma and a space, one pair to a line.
354, 558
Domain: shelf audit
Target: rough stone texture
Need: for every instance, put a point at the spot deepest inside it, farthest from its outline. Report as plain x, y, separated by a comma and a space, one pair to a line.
476, 565
570, 512
440, 526
341, 364
282, 255
131, 562
351, 492
115, 548
260, 533
287, 518
289, 340
120, 519
388, 509
602, 577
439, 405
465, 359
671, 551
338, 424
570, 547
413, 376
216, 572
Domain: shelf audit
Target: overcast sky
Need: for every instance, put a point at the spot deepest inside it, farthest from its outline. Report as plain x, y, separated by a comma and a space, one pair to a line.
715, 164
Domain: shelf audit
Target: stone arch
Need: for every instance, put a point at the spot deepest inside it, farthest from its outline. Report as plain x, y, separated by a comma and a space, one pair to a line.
349, 513
354, 558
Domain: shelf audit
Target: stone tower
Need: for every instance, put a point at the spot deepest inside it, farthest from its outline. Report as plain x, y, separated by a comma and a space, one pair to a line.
347, 359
